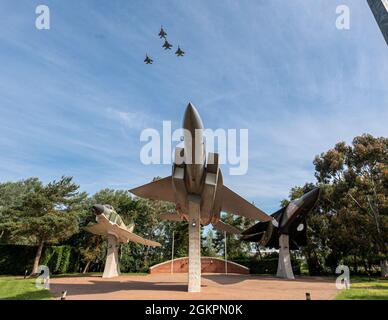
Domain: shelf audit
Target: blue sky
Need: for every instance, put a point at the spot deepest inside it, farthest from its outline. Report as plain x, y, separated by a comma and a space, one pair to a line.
74, 99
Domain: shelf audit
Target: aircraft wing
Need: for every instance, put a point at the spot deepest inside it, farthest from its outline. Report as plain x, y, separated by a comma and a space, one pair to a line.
235, 204
254, 237
222, 226
95, 228
157, 190
135, 238
256, 229
299, 238
105, 228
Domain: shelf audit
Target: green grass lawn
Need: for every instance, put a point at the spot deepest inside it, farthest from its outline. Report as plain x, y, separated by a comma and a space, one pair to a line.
364, 289
17, 288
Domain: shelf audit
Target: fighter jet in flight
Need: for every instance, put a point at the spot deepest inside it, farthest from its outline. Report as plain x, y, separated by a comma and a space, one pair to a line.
167, 45
289, 220
162, 33
179, 52
194, 176
148, 60
110, 223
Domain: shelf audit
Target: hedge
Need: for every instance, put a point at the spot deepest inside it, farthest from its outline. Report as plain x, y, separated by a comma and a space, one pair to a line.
266, 265
61, 259
15, 259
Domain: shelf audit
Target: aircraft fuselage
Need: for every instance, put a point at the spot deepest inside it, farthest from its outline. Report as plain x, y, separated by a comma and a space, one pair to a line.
289, 220
199, 179
194, 151
196, 177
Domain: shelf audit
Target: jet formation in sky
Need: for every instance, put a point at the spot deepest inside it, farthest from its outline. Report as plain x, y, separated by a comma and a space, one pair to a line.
166, 46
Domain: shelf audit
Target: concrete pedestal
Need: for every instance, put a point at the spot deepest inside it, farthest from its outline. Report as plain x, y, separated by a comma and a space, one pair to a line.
112, 267
194, 281
284, 263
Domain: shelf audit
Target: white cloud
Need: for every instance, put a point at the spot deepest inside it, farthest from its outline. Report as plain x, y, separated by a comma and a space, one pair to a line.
131, 120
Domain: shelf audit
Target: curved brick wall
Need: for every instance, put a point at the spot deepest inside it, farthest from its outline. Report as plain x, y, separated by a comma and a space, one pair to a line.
208, 265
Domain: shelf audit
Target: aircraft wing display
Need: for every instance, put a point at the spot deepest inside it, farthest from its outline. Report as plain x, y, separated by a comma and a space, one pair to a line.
95, 229
105, 227
201, 179
157, 190
222, 226
135, 238
289, 220
235, 204
231, 202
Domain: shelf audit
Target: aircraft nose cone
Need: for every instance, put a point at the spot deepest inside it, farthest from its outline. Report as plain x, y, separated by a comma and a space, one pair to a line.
299, 208
311, 198
98, 209
314, 194
191, 119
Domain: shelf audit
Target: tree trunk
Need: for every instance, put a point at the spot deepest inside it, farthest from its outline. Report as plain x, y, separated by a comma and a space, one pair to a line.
258, 253
86, 269
37, 258
355, 264
384, 268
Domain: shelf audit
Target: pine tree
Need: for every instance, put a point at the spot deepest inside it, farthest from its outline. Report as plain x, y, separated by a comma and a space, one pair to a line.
38, 214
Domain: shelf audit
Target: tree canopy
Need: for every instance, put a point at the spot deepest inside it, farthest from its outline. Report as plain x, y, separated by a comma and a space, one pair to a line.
350, 222
36, 214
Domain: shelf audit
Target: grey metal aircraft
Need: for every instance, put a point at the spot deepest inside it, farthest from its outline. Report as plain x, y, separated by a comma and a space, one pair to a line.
162, 33
179, 52
148, 60
201, 177
167, 45
289, 220
109, 222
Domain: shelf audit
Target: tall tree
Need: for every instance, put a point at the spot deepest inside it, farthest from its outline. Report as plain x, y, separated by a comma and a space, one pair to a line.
38, 214
208, 245
11, 196
358, 175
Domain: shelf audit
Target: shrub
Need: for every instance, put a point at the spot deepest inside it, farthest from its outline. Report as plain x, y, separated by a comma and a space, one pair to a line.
267, 264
